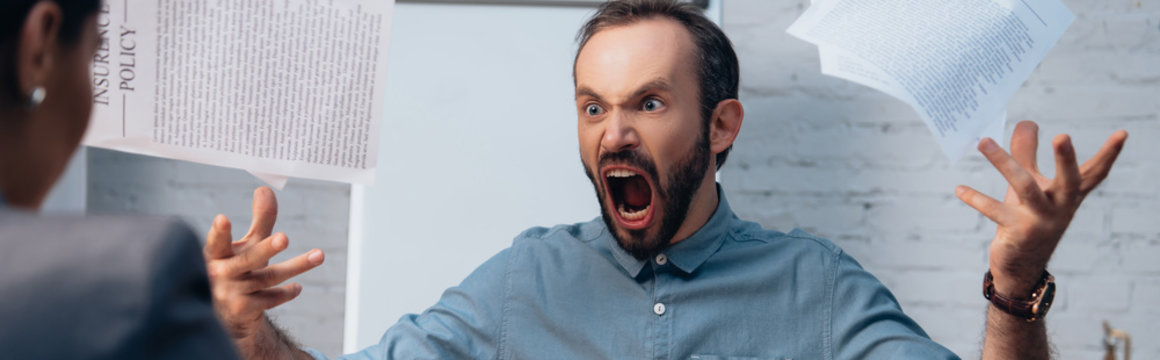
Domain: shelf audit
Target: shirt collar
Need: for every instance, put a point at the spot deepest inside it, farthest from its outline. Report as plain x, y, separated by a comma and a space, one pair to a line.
690, 253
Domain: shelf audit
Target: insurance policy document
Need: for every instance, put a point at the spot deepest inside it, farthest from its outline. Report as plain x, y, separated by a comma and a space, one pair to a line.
278, 88
956, 62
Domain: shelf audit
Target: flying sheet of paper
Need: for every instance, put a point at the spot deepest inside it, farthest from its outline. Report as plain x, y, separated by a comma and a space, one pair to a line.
287, 88
956, 62
841, 64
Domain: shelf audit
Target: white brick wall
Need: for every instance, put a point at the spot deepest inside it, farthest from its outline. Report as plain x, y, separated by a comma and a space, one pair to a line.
851, 164
313, 214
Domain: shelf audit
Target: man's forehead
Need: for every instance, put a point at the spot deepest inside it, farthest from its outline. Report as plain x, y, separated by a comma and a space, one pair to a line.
624, 58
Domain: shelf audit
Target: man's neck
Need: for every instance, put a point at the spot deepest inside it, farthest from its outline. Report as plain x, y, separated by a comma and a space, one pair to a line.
702, 208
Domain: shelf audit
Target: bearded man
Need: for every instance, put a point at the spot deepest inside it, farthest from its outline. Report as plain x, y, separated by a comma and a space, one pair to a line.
668, 271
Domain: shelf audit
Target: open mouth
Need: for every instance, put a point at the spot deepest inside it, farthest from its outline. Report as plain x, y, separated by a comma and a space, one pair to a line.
631, 194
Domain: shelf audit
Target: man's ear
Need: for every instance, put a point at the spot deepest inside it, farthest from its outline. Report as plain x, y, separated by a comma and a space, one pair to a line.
725, 124
39, 41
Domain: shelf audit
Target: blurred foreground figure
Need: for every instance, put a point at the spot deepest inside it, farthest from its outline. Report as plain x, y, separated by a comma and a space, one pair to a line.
82, 287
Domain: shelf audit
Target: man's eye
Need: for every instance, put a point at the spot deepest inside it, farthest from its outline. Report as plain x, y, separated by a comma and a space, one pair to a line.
652, 105
594, 110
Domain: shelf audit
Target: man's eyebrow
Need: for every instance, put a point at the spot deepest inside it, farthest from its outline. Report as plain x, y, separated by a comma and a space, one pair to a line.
657, 84
585, 91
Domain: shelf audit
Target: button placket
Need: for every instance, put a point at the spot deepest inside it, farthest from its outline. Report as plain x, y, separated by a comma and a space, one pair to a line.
663, 330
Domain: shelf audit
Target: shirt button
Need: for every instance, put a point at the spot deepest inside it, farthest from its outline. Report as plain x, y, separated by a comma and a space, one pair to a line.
659, 309
662, 259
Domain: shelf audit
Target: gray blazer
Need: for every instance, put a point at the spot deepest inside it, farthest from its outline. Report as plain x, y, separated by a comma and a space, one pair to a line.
104, 287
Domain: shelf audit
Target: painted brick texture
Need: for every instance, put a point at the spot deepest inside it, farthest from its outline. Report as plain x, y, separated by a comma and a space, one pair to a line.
860, 168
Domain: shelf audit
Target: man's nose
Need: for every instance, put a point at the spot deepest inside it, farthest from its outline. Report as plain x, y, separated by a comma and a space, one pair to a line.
620, 135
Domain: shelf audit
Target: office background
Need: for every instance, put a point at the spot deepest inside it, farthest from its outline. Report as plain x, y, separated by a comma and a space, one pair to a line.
828, 156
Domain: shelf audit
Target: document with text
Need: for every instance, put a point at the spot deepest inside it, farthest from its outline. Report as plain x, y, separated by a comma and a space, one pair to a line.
956, 62
290, 88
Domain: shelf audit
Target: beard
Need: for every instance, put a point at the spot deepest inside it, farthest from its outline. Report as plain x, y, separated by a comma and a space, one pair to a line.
677, 194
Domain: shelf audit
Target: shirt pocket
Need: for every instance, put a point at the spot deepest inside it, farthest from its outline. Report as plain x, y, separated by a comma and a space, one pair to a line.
723, 357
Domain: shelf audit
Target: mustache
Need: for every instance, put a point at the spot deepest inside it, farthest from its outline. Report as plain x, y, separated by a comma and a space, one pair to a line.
634, 158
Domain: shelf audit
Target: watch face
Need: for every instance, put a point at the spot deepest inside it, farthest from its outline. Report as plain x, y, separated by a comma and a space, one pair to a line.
1045, 302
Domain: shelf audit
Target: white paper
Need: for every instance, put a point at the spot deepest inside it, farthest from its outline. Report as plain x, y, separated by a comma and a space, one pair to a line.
837, 63
275, 181
956, 62
283, 88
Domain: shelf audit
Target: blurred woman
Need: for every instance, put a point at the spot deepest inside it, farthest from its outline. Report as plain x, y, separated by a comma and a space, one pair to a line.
81, 287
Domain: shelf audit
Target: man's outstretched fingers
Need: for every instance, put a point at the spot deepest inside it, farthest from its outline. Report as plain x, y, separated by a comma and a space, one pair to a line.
1017, 177
217, 240
1066, 170
258, 256
265, 210
272, 297
1025, 144
991, 208
277, 273
1096, 169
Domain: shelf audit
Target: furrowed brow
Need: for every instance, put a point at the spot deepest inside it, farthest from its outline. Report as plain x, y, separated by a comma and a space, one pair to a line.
656, 85
585, 91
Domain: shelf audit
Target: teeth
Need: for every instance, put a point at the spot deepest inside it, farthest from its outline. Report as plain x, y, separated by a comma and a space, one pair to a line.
621, 173
632, 216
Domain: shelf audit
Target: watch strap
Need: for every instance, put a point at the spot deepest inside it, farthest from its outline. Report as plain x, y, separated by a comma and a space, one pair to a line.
1034, 308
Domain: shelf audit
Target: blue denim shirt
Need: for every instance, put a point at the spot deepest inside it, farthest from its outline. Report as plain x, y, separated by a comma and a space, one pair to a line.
731, 291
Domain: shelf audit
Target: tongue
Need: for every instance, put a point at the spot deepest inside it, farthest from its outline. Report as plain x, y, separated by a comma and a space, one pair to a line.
637, 193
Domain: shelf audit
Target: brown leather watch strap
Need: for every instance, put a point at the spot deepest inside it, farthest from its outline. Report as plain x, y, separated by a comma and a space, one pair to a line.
1033, 309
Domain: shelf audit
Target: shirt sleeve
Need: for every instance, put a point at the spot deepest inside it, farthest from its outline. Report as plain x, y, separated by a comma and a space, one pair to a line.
464, 324
868, 323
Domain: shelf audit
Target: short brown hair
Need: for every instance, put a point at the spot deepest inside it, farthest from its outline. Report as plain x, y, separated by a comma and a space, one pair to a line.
716, 62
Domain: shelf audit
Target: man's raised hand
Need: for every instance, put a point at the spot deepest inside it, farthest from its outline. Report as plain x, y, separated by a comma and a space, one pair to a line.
1036, 210
244, 284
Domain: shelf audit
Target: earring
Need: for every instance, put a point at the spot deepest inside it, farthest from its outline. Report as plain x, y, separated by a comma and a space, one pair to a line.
36, 98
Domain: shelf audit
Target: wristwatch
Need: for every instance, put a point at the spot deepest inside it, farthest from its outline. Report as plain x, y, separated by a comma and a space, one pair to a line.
1030, 310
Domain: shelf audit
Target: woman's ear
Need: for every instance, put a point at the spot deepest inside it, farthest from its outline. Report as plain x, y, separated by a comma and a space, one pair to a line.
725, 124
39, 43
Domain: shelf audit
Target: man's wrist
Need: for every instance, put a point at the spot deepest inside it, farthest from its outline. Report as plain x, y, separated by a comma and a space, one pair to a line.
267, 341
1034, 307
1017, 279
1017, 286
249, 332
